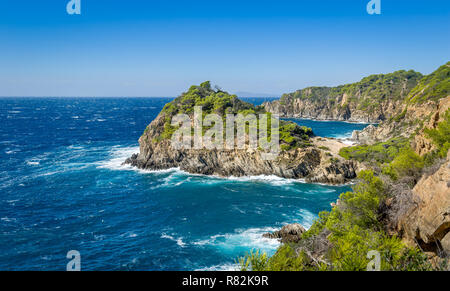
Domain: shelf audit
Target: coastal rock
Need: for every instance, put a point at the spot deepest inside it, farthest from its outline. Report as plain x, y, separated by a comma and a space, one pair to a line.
421, 143
290, 233
311, 164
364, 136
313, 109
405, 124
299, 157
428, 221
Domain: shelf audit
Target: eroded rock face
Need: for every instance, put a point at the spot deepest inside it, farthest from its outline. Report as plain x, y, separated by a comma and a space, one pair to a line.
311, 163
290, 233
346, 111
421, 143
428, 222
414, 115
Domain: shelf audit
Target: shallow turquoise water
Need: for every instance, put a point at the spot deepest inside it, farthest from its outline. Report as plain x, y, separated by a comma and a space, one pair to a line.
62, 187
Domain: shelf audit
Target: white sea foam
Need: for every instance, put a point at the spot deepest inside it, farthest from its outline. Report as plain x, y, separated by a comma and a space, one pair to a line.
179, 240
348, 142
270, 179
307, 218
224, 267
251, 238
117, 157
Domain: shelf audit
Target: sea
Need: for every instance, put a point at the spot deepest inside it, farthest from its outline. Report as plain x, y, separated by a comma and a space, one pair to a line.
63, 188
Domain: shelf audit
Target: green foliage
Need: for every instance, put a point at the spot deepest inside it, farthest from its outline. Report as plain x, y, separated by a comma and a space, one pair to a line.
354, 230
441, 135
292, 135
406, 163
432, 87
318, 225
222, 103
254, 261
285, 259
366, 94
382, 152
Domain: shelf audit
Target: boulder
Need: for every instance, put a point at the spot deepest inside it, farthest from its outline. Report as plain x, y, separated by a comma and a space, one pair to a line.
290, 233
427, 223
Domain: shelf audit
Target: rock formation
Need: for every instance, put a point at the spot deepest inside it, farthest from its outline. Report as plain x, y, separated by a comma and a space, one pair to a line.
290, 233
374, 99
428, 221
309, 163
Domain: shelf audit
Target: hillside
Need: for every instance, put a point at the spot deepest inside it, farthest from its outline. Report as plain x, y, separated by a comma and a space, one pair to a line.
299, 156
400, 206
373, 99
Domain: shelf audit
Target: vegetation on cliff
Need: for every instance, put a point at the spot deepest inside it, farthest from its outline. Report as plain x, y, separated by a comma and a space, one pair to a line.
220, 102
432, 87
366, 218
342, 238
367, 94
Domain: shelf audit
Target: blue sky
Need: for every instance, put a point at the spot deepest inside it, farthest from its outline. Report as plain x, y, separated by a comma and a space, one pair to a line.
160, 48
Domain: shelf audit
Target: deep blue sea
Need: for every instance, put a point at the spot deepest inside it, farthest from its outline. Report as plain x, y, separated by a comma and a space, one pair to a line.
62, 188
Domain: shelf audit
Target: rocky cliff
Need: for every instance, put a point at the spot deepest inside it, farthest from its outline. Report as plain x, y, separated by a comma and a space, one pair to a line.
299, 158
427, 222
373, 99
423, 107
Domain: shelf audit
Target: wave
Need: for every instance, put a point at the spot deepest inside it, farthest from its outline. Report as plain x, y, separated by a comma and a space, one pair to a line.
223, 267
270, 179
179, 240
117, 157
242, 239
307, 218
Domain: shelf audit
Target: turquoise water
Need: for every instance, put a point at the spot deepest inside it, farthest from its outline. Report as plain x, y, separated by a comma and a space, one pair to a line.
336, 129
62, 188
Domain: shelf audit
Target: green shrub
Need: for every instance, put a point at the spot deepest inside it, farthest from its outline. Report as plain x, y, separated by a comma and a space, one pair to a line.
407, 163
441, 135
382, 152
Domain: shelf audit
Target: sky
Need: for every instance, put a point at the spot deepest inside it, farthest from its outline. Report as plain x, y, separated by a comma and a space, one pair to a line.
162, 47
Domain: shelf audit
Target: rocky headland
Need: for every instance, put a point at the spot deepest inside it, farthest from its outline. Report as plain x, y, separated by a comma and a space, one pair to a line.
300, 157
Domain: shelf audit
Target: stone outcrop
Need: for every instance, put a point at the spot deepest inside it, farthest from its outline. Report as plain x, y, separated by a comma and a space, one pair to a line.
421, 143
311, 163
290, 233
413, 118
313, 109
428, 221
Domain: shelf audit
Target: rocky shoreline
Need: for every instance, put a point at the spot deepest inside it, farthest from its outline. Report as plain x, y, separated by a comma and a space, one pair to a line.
312, 165
303, 156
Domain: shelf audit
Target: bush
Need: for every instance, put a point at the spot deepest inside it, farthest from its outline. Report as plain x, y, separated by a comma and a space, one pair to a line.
407, 163
353, 229
441, 135
380, 153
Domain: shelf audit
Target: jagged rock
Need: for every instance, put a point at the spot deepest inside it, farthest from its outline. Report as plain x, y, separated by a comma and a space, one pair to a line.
428, 221
421, 143
311, 163
290, 233
311, 109
364, 136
